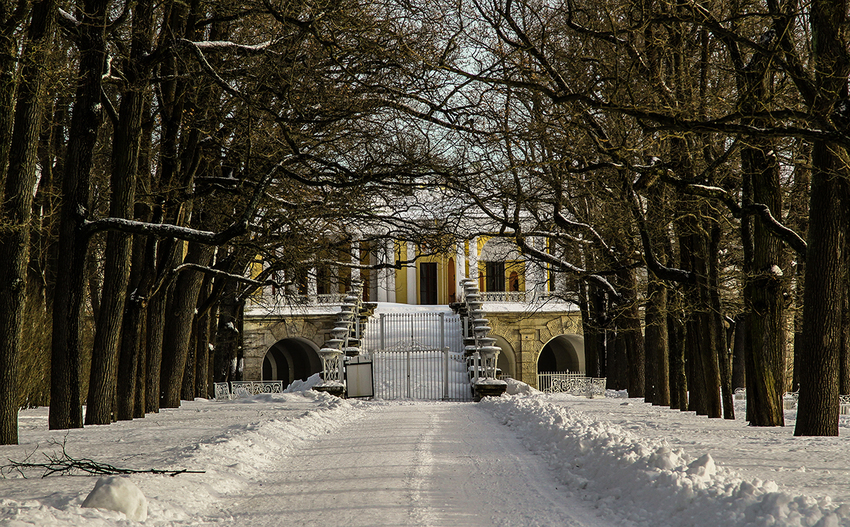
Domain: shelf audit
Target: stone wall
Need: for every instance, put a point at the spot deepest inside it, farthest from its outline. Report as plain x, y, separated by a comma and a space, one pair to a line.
527, 334
263, 333
524, 333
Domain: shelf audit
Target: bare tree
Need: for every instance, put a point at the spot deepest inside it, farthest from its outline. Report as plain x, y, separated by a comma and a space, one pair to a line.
19, 186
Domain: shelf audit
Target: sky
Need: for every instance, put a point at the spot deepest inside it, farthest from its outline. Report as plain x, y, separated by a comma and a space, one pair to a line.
306, 458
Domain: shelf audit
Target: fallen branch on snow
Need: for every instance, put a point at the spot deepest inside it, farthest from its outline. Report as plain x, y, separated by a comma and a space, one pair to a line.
64, 465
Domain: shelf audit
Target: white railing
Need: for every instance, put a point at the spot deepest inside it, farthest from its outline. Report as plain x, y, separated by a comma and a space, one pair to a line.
233, 389
790, 399
521, 297
572, 383
332, 369
507, 296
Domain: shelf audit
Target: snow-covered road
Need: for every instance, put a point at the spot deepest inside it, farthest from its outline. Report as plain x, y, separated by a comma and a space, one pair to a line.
308, 458
411, 464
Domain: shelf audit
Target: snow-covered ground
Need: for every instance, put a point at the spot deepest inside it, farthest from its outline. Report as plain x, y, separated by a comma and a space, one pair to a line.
527, 459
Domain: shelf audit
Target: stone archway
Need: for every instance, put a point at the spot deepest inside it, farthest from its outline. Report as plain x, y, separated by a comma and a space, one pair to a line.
561, 354
507, 358
291, 359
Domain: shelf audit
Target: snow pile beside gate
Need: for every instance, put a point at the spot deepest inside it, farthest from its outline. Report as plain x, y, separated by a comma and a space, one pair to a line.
303, 386
637, 481
516, 387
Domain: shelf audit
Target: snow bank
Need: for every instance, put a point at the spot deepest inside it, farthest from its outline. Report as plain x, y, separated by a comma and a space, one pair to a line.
248, 436
120, 495
302, 386
640, 482
516, 387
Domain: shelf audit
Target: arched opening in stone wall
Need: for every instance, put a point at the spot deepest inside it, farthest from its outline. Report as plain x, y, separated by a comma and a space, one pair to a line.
290, 359
564, 353
507, 358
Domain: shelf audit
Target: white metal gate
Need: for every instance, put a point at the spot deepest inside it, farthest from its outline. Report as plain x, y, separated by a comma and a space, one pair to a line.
421, 329
423, 374
417, 355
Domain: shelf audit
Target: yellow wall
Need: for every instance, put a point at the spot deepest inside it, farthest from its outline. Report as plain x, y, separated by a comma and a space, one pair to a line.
401, 277
466, 258
517, 266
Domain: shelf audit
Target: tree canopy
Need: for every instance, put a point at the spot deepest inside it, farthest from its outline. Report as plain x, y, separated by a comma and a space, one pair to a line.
685, 163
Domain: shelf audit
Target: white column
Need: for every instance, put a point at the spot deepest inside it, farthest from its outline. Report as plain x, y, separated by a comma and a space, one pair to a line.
461, 263
411, 274
381, 276
473, 258
312, 282
386, 288
460, 270
355, 260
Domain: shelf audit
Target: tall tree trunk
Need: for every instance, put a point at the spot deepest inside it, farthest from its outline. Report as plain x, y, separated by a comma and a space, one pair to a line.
125, 165
632, 326
178, 326
739, 377
16, 211
718, 328
140, 391
817, 411
65, 397
128, 360
655, 315
657, 349
678, 378
205, 324
133, 335
87, 117
584, 308
618, 361
153, 353
187, 387
594, 335
763, 291
102, 383
798, 219
85, 123
601, 335
227, 335
844, 388
704, 381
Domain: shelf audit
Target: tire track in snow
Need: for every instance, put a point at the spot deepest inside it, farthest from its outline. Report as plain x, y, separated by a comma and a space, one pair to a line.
420, 472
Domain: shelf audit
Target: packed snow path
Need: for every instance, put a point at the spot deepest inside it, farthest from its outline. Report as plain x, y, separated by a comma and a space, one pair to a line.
312, 459
411, 464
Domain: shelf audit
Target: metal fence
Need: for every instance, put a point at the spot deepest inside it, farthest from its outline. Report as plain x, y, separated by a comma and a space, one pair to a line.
417, 330
572, 383
233, 389
422, 374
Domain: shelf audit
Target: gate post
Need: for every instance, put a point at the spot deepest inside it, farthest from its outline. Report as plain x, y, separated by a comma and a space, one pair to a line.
442, 330
445, 373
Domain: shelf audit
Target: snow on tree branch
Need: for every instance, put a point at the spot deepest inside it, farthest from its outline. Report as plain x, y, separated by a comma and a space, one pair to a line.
237, 228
